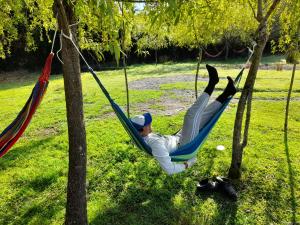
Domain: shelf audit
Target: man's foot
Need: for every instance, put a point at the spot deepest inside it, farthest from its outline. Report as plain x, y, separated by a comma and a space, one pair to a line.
228, 91
213, 79
230, 88
213, 75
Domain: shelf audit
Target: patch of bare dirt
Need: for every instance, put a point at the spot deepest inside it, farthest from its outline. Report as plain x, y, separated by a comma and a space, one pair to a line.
174, 101
152, 83
18, 75
44, 132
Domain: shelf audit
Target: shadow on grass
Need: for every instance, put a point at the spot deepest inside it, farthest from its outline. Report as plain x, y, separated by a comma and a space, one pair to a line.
210, 156
29, 81
17, 154
141, 206
226, 209
291, 179
142, 201
24, 204
156, 206
26, 208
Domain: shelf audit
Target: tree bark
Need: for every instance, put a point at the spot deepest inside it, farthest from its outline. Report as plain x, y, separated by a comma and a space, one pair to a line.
288, 102
197, 72
156, 56
226, 49
76, 209
238, 145
124, 60
126, 84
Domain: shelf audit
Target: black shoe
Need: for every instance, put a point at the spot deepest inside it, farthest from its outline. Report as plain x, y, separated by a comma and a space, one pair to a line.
230, 90
226, 188
213, 75
206, 185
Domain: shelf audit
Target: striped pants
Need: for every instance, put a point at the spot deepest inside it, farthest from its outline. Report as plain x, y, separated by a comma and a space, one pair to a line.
196, 117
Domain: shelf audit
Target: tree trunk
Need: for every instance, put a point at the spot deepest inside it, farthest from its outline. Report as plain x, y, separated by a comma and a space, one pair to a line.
124, 60
76, 210
155, 56
246, 96
226, 49
126, 84
288, 102
197, 72
238, 145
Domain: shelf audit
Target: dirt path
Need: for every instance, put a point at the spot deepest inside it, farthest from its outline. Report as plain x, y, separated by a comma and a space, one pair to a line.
173, 101
152, 83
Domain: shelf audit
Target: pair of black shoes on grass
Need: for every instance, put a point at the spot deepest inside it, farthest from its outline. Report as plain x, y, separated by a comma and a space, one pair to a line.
218, 184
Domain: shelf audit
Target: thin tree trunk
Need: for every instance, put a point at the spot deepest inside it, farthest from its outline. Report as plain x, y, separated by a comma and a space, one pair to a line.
226, 50
197, 72
76, 209
238, 145
288, 100
126, 83
124, 60
155, 56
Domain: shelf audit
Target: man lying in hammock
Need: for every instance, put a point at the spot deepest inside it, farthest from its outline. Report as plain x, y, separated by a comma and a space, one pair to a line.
195, 118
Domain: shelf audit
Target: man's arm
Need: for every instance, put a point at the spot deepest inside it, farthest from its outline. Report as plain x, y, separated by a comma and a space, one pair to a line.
162, 155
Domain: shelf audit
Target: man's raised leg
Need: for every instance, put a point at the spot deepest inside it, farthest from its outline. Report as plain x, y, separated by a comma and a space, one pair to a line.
213, 107
193, 115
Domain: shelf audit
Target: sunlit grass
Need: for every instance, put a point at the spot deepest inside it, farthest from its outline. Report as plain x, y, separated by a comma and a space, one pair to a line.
125, 186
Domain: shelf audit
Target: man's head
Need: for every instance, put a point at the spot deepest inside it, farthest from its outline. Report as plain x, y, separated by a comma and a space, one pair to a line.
142, 123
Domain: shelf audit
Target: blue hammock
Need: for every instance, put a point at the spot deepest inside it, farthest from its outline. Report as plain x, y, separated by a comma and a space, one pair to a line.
184, 152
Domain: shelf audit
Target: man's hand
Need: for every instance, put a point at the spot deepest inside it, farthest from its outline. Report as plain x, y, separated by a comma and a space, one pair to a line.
186, 165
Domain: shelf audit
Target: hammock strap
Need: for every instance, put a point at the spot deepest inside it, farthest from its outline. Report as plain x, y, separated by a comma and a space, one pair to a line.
70, 38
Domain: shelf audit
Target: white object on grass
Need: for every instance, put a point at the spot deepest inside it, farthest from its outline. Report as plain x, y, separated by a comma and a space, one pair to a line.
220, 147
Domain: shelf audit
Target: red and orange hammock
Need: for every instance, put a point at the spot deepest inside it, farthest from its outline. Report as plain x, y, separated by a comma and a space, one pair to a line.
14, 131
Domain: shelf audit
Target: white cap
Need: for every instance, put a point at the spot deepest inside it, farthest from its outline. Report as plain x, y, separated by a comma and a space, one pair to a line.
140, 121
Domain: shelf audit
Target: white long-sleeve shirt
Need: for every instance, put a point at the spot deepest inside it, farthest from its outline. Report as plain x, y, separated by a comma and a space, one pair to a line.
161, 147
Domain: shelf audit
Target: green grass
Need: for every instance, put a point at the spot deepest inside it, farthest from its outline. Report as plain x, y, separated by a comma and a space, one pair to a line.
125, 186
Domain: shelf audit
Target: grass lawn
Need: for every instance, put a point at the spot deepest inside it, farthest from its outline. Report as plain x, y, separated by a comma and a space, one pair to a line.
125, 186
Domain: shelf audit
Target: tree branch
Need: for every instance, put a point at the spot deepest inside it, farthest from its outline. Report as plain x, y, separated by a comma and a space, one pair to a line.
195, 33
65, 25
264, 19
248, 116
298, 36
271, 9
259, 10
253, 10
